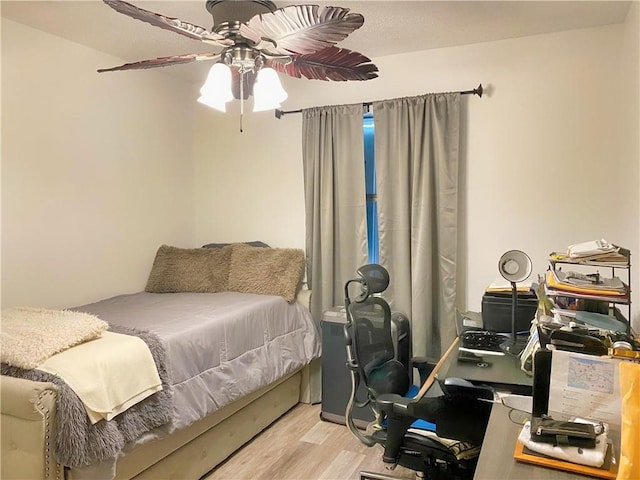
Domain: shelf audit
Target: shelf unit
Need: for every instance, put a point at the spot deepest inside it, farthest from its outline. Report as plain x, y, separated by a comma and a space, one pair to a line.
611, 301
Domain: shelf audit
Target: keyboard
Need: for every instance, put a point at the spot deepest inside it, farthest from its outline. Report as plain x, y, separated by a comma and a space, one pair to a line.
482, 340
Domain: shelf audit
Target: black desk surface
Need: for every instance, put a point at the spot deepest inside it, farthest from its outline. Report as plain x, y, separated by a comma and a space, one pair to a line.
499, 371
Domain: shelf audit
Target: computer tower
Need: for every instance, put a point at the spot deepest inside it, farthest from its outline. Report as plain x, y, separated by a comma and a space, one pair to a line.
336, 378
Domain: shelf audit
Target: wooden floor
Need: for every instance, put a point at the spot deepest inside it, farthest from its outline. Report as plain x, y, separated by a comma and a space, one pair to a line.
300, 446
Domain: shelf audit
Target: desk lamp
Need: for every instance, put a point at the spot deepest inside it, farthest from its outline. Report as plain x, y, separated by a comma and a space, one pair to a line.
515, 266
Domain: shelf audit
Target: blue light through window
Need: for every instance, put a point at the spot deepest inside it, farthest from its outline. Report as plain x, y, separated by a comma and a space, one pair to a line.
370, 188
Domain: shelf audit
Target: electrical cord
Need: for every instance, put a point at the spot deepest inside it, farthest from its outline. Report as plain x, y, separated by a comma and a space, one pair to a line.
526, 416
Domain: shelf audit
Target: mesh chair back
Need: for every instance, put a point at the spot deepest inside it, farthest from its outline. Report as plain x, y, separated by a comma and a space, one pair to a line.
374, 349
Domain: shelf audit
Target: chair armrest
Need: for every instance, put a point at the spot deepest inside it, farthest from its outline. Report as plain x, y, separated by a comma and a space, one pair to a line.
398, 421
454, 387
462, 412
390, 403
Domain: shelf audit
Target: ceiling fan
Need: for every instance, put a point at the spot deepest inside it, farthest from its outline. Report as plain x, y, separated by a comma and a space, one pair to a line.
297, 40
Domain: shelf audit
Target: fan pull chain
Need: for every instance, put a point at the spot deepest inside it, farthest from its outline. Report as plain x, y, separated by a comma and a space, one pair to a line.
241, 96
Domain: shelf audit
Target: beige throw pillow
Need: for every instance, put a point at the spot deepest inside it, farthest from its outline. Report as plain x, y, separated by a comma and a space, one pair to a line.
200, 270
266, 271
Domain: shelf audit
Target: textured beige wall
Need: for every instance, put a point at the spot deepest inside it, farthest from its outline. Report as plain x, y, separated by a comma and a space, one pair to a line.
632, 57
96, 171
546, 152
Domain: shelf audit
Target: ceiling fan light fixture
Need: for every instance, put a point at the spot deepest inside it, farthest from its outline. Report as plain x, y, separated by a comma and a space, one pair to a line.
216, 91
268, 92
295, 40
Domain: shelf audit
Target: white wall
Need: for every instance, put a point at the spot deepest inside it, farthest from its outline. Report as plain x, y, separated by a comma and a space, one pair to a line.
548, 151
632, 54
248, 185
97, 171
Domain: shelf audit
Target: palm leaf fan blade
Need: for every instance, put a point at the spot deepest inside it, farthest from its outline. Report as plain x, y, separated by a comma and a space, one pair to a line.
300, 29
168, 23
163, 61
333, 63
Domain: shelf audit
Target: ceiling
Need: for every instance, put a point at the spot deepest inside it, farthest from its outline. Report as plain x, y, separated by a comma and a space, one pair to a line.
390, 27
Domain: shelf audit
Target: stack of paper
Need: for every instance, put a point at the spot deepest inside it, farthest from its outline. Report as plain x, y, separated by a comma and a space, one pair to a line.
502, 285
591, 248
590, 281
575, 284
594, 251
592, 319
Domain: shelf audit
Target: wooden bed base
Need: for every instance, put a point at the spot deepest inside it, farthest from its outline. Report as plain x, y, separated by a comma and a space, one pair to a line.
28, 428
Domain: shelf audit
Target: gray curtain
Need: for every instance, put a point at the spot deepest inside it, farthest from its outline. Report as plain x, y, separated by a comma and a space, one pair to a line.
335, 204
416, 151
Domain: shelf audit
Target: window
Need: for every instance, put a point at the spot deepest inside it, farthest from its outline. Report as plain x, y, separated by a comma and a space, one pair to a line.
370, 188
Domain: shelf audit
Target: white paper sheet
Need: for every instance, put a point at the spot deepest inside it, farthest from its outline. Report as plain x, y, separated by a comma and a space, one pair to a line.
585, 386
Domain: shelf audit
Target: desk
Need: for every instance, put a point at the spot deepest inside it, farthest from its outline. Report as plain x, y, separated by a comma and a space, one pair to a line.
496, 457
502, 372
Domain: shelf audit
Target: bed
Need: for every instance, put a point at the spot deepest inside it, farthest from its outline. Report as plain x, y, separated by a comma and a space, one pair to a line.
236, 360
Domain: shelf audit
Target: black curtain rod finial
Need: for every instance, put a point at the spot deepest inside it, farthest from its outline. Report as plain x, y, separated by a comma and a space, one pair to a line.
476, 91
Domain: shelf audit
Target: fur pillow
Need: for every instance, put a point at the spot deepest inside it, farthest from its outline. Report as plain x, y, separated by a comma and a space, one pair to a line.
200, 270
266, 271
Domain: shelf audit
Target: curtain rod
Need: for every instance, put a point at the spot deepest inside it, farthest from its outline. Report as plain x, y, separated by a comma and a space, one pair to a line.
476, 91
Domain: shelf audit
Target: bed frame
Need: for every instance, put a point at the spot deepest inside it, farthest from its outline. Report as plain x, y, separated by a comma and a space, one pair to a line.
27, 424
28, 427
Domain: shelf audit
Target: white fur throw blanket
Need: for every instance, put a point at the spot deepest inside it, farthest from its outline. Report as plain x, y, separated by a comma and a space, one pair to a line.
29, 336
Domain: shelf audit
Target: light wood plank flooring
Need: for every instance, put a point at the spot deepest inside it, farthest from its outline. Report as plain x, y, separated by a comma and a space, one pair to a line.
300, 446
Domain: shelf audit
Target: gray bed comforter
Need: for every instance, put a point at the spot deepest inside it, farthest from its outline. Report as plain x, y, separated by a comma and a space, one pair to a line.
220, 346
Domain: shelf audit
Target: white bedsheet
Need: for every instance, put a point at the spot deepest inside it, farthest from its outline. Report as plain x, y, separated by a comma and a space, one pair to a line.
100, 373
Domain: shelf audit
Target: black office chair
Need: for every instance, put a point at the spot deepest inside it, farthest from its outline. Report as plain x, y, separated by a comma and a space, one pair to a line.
436, 430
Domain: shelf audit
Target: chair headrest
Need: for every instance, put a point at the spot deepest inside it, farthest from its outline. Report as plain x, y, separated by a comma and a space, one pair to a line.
375, 277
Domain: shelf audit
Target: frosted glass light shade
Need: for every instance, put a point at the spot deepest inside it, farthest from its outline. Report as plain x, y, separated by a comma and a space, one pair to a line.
267, 91
216, 91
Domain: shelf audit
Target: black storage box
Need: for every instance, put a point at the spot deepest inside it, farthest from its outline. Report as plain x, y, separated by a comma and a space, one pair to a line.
496, 311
